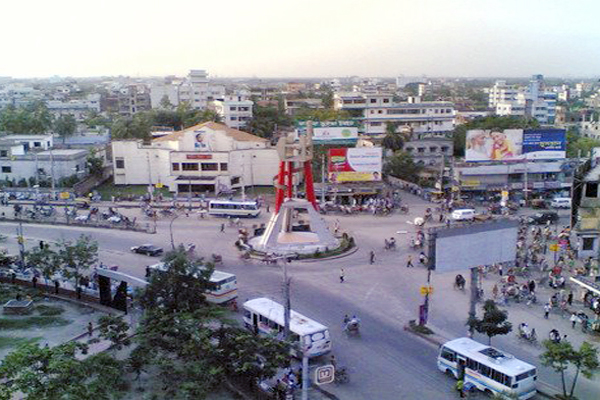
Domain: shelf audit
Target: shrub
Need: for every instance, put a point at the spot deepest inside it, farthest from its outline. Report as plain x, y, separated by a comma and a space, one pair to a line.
49, 311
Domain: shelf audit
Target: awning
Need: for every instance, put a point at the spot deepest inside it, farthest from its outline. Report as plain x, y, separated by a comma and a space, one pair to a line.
586, 283
196, 178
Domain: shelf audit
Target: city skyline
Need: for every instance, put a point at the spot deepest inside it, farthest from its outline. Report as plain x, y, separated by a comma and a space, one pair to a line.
273, 39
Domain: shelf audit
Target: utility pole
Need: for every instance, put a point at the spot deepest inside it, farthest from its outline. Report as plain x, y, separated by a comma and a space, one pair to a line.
322, 180
150, 189
52, 173
190, 194
287, 305
474, 296
21, 241
526, 188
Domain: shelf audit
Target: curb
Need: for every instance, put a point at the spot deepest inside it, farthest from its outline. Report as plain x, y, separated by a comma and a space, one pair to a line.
548, 391
346, 254
325, 392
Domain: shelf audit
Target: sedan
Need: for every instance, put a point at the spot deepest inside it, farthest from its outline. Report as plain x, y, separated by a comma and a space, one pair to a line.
148, 249
543, 217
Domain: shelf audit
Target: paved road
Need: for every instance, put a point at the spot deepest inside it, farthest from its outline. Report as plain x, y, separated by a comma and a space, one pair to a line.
386, 362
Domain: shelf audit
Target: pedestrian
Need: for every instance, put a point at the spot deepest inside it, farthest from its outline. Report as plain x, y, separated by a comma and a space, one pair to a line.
500, 272
409, 263
547, 309
34, 281
41, 245
573, 320
371, 257
531, 286
570, 298
147, 271
495, 291
333, 361
341, 275
56, 286
267, 208
459, 387
222, 227
90, 328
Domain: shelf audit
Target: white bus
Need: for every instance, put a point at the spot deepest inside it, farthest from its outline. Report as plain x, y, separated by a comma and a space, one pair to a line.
266, 316
224, 289
231, 208
487, 368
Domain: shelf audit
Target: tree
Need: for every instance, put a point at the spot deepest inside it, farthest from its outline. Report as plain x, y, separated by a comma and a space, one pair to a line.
115, 329
393, 140
180, 287
494, 321
34, 118
560, 355
61, 372
45, 260
401, 165
165, 103
65, 126
78, 257
95, 164
327, 99
267, 120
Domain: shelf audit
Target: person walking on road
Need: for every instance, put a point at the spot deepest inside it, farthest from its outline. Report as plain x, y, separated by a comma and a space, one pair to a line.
573, 320
459, 388
371, 257
409, 263
90, 328
547, 309
341, 275
222, 227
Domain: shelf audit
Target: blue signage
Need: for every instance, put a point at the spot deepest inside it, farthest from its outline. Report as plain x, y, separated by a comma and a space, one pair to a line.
544, 143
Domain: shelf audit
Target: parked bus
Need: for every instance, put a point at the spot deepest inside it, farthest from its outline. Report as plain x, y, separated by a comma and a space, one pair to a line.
231, 208
224, 285
266, 316
486, 368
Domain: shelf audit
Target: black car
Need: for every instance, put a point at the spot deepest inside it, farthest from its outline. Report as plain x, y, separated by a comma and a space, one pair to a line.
543, 217
148, 249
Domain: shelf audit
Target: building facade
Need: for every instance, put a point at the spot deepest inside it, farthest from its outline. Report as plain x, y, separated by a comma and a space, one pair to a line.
209, 158
235, 111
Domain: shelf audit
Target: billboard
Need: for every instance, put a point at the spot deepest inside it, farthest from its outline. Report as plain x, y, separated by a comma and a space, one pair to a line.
515, 144
335, 133
461, 247
358, 164
331, 131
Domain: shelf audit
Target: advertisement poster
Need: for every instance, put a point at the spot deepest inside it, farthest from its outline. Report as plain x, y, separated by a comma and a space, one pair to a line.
331, 132
515, 144
361, 164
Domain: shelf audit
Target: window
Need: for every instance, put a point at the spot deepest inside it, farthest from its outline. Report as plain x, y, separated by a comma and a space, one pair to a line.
3, 153
7, 170
223, 166
233, 108
433, 149
379, 111
235, 181
37, 144
591, 189
448, 354
386, 100
210, 167
187, 166
373, 101
175, 166
233, 118
588, 243
444, 149
120, 163
421, 149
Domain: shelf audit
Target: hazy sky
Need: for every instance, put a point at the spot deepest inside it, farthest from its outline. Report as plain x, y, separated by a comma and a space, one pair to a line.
303, 38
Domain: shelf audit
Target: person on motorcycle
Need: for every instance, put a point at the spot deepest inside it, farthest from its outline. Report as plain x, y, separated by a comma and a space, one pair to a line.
554, 336
524, 331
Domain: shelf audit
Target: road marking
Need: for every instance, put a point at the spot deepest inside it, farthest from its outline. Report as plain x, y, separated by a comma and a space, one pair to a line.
371, 291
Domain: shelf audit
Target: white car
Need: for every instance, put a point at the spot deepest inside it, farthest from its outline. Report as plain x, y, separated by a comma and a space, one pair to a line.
466, 214
561, 202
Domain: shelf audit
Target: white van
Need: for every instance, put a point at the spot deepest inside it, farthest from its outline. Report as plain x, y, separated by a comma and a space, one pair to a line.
561, 202
466, 214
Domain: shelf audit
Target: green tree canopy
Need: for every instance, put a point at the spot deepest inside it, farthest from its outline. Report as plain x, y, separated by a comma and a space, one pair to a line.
33, 118
75, 258
494, 321
559, 356
402, 166
61, 372
65, 126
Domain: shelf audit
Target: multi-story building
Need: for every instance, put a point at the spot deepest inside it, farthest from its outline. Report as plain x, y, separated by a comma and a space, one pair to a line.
132, 99
195, 90
31, 157
292, 106
77, 108
206, 158
532, 101
373, 111
235, 111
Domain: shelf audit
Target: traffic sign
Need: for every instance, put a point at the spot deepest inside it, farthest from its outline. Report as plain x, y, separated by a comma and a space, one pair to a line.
159, 185
64, 195
425, 290
324, 374
553, 247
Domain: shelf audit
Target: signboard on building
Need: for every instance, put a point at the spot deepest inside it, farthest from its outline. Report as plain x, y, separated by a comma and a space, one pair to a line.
331, 131
515, 144
358, 164
198, 156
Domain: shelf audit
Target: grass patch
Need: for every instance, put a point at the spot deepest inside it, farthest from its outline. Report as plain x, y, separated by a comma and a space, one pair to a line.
49, 311
422, 329
32, 322
6, 341
109, 189
9, 292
